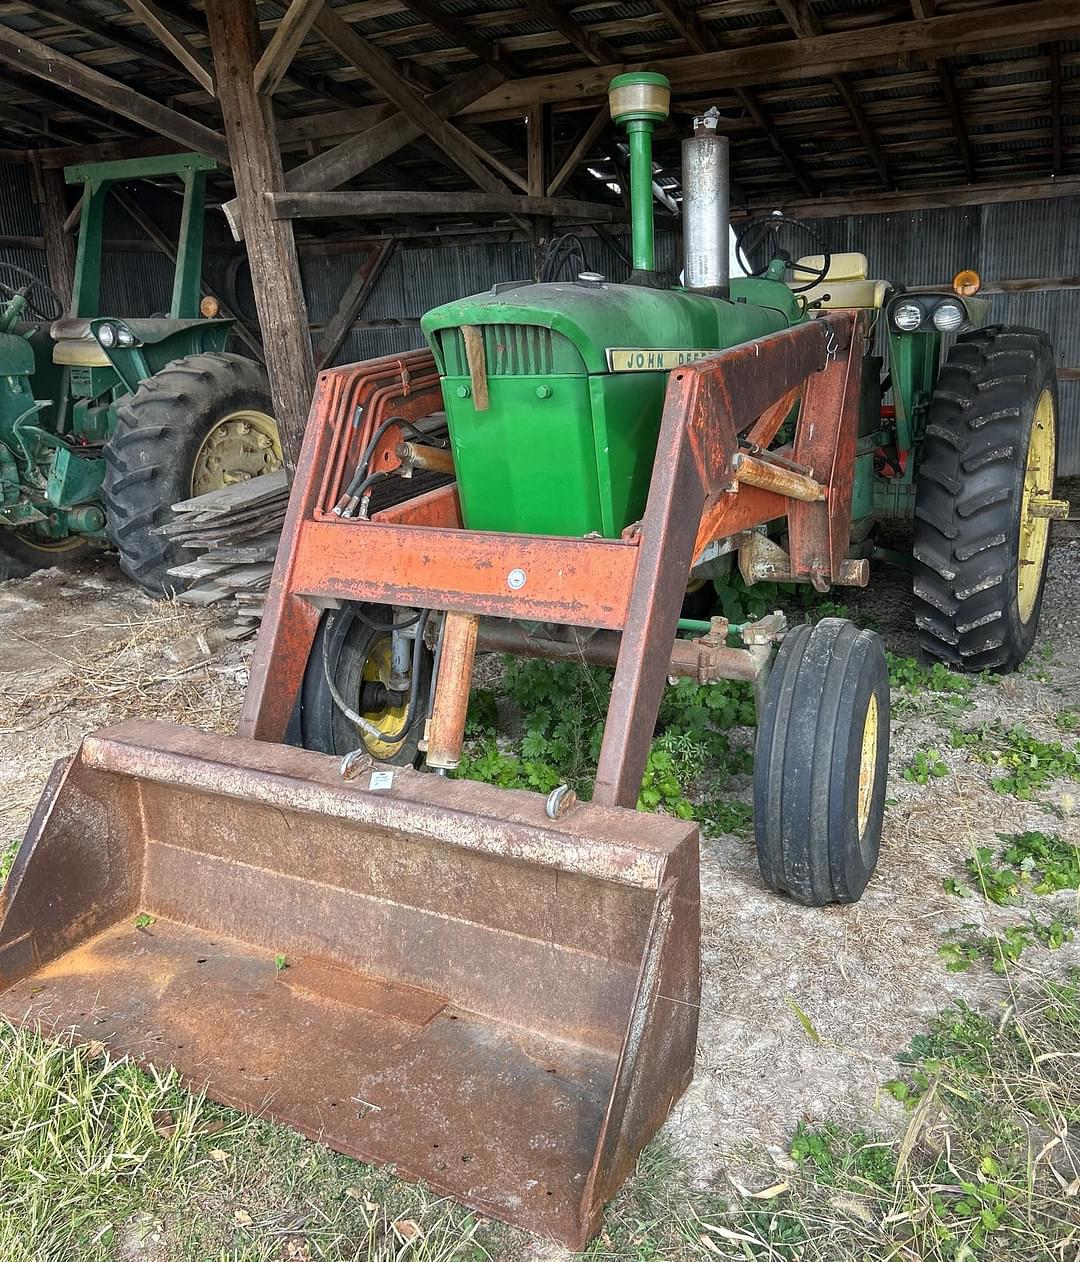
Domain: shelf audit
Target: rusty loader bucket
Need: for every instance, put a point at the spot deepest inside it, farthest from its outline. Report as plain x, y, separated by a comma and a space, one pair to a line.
500, 1004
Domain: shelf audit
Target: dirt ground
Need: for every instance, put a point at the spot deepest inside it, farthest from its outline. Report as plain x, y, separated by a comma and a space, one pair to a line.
81, 650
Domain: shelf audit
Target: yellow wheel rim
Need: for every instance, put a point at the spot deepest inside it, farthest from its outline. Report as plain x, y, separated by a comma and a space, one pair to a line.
868, 764
68, 544
377, 670
1038, 482
243, 445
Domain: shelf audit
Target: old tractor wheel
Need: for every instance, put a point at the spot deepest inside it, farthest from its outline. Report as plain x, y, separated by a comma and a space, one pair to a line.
986, 463
202, 423
820, 763
352, 650
22, 554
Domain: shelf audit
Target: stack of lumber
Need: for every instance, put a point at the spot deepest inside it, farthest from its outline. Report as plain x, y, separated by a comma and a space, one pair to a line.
234, 533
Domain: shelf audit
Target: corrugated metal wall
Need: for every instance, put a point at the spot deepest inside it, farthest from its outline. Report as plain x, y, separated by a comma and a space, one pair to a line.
1019, 240
1024, 239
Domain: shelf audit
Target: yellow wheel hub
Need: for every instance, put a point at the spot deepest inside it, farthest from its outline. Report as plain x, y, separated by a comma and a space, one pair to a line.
868, 764
377, 670
241, 446
1038, 485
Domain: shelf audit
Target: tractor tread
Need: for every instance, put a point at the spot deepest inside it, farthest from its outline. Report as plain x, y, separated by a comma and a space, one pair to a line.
967, 499
150, 455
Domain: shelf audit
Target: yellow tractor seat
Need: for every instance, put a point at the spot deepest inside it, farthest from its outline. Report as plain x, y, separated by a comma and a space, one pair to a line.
845, 284
75, 346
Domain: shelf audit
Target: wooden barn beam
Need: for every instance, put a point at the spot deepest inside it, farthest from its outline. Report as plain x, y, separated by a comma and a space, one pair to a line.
271, 249
285, 44
454, 27
174, 40
29, 121
91, 24
947, 35
381, 70
1057, 122
21, 51
923, 9
536, 150
108, 151
50, 194
580, 150
374, 205
598, 50
700, 39
806, 25
917, 199
357, 292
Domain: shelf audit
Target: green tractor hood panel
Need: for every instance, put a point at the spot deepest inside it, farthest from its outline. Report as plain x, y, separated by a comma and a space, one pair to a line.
589, 319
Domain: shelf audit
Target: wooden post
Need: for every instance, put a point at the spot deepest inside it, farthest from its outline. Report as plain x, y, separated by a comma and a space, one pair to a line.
51, 198
271, 248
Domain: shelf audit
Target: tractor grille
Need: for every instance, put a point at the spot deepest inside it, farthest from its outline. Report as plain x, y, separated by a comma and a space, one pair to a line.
514, 350
81, 382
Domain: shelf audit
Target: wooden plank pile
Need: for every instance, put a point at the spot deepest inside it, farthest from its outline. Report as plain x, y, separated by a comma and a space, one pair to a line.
235, 532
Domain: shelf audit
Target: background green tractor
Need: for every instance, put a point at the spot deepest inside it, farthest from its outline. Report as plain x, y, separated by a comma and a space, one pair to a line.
105, 423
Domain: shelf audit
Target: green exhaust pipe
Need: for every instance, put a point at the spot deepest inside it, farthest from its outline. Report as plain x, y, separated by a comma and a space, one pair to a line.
639, 100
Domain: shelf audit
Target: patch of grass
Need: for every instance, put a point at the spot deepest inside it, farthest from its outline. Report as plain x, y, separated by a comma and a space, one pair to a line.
724, 815
927, 765
1027, 762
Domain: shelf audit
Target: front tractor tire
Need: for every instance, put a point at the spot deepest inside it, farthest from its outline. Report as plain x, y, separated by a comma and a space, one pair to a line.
821, 760
22, 554
988, 458
203, 422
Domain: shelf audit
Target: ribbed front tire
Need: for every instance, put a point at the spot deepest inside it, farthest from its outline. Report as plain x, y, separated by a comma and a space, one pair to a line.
980, 556
821, 760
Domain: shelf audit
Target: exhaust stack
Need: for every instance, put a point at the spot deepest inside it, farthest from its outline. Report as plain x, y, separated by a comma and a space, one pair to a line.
706, 191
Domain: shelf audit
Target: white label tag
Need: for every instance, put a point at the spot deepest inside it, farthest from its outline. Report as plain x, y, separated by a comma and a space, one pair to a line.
381, 780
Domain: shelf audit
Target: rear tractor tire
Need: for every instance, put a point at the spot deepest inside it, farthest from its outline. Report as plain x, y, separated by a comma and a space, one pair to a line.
989, 452
821, 762
202, 423
352, 646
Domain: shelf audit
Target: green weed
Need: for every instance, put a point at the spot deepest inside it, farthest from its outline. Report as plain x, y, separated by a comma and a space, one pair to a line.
969, 944
927, 765
912, 679
1027, 762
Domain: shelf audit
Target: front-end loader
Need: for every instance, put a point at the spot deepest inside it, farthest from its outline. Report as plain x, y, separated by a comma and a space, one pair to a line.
105, 423
494, 990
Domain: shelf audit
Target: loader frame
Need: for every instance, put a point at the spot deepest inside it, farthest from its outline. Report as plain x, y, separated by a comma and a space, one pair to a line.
714, 478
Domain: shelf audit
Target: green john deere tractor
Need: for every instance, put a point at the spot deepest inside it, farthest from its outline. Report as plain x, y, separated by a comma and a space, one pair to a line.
105, 423
956, 434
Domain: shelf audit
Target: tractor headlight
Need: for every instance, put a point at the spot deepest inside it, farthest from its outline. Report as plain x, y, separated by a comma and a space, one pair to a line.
124, 336
907, 316
106, 335
948, 316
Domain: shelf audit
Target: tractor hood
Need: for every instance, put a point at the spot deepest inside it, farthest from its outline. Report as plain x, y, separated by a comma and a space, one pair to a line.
591, 318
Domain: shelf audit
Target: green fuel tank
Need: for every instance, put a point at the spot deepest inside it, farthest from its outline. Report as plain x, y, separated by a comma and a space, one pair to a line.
554, 392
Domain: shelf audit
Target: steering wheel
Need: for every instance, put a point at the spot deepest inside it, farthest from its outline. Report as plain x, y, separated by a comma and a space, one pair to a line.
768, 231
30, 285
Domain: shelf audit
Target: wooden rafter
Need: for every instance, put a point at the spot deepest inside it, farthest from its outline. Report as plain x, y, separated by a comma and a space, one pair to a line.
927, 9
381, 70
598, 50
174, 40
90, 24
357, 292
1057, 122
375, 205
804, 22
456, 28
700, 39
579, 150
29, 55
284, 43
